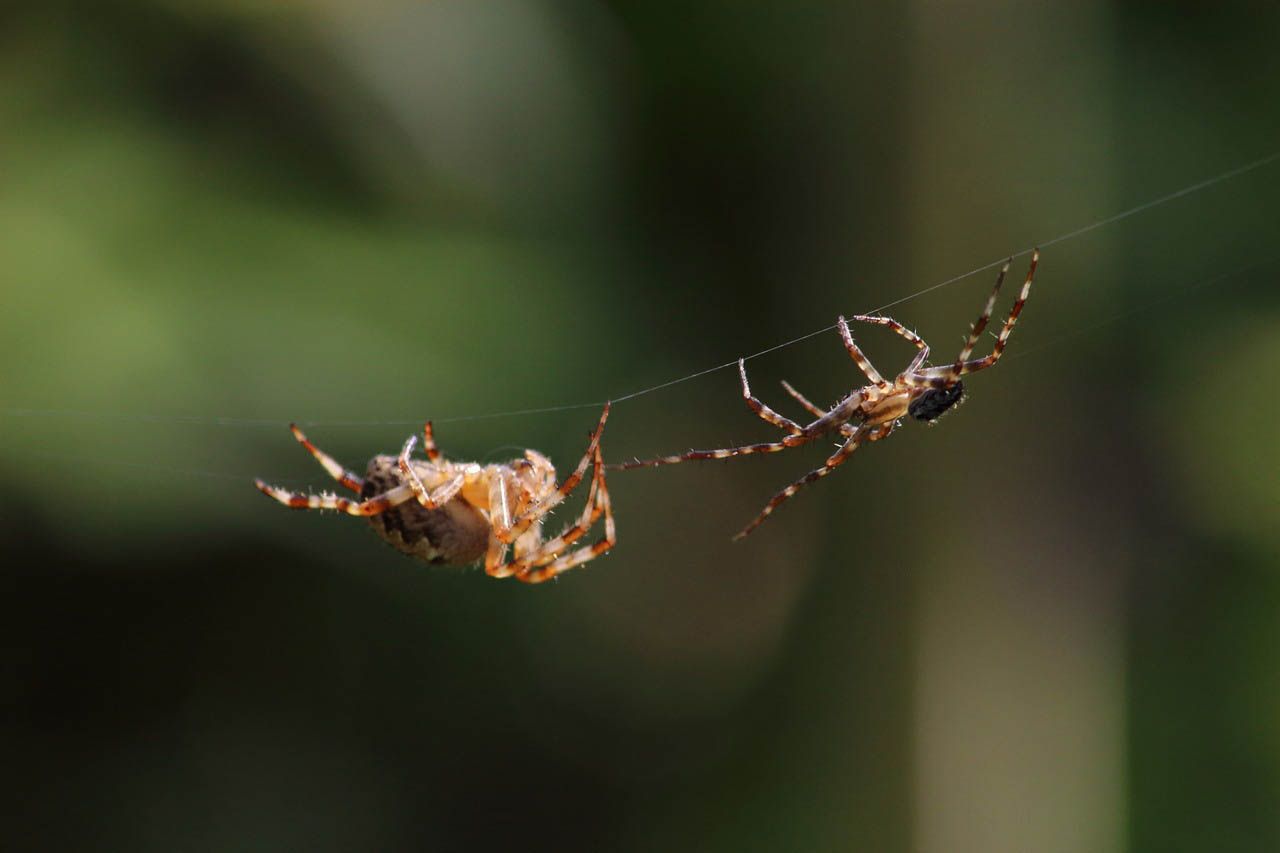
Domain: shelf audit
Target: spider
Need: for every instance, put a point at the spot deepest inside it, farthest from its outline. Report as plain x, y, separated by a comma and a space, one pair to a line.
872, 412
454, 513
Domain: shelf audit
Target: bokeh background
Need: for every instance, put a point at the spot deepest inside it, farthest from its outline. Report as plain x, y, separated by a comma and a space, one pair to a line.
1051, 622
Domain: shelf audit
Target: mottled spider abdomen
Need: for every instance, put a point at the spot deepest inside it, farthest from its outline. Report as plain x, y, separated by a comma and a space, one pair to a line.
933, 403
455, 534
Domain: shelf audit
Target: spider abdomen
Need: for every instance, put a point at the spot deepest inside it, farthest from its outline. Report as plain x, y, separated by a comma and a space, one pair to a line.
934, 402
455, 534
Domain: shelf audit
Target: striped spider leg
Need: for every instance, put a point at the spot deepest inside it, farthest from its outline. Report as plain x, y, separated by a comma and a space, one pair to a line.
535, 559
869, 413
548, 559
455, 513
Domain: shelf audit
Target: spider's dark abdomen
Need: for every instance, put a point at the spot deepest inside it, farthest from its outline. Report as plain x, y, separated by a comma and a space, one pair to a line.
933, 403
456, 534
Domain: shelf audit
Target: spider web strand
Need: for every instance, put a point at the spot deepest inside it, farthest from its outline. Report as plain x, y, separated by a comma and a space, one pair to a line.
232, 421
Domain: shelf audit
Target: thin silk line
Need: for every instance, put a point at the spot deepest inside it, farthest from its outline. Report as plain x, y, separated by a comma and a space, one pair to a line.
226, 421
1025, 351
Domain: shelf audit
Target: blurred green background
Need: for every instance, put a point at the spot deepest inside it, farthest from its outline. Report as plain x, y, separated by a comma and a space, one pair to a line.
1050, 623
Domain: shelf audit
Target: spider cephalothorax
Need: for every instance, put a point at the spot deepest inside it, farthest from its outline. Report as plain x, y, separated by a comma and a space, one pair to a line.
457, 513
935, 402
871, 412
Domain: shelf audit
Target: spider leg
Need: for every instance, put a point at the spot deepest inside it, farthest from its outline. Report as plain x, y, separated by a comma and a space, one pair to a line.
590, 514
836, 419
336, 471
932, 377
976, 331
578, 557
495, 558
373, 506
724, 453
761, 409
438, 496
591, 511
864, 364
538, 510
802, 399
855, 439
903, 331
429, 443
963, 363
551, 559
501, 536
548, 559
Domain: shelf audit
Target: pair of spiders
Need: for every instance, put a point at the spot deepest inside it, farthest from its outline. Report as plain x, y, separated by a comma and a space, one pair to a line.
456, 513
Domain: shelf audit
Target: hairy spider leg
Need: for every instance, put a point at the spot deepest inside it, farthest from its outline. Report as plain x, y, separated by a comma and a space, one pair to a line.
437, 497
846, 429
496, 563
854, 441
836, 420
374, 505
352, 481
581, 555
547, 565
903, 331
590, 514
724, 453
509, 533
761, 409
975, 331
864, 363
525, 561
963, 365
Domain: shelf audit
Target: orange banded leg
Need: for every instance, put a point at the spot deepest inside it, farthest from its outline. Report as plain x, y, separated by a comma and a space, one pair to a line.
855, 439
551, 548
548, 551
581, 555
373, 506
551, 560
523, 522
864, 363
352, 481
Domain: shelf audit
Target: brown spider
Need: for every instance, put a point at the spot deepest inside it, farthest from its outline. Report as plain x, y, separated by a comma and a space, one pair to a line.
453, 513
872, 412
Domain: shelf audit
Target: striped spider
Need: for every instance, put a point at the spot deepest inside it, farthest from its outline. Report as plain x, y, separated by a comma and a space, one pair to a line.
872, 412
454, 513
